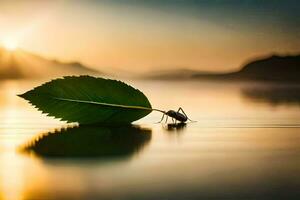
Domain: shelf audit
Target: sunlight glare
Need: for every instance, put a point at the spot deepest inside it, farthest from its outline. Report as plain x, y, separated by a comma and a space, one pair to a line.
10, 44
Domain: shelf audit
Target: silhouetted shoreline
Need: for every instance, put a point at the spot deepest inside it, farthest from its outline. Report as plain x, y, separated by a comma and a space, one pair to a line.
271, 69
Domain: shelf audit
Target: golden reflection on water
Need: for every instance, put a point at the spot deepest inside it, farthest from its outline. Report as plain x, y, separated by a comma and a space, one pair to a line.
11, 176
18, 123
239, 147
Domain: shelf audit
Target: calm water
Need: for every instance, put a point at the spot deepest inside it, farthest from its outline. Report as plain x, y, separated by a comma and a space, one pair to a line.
245, 145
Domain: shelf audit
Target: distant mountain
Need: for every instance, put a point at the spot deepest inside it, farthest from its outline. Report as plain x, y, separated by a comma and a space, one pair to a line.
178, 74
20, 64
273, 68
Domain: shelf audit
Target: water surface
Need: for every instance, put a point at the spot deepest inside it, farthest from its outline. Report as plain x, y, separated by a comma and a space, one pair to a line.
245, 145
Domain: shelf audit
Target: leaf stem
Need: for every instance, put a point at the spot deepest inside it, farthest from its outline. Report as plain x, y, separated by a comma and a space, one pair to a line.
159, 110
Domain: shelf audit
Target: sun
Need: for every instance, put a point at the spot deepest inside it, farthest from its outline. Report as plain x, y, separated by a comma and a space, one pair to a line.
10, 44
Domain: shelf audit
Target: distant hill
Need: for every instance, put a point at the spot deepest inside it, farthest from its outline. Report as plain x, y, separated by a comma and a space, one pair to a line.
273, 68
178, 74
20, 64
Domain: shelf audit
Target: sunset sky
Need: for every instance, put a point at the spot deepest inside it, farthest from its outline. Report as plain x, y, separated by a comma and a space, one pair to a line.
134, 35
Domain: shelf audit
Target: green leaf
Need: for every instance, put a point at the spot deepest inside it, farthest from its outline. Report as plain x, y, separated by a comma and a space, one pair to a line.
89, 100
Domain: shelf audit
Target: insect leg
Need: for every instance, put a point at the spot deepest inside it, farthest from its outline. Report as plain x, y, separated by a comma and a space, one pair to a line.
167, 119
180, 109
161, 118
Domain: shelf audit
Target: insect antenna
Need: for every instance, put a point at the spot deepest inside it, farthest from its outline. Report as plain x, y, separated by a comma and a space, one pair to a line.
191, 120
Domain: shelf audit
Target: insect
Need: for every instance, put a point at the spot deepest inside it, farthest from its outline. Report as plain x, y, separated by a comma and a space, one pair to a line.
176, 116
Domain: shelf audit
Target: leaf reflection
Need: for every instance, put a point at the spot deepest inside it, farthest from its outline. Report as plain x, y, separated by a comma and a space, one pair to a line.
90, 141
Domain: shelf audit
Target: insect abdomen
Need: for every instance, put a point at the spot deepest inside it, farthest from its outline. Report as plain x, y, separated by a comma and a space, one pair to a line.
176, 115
180, 117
